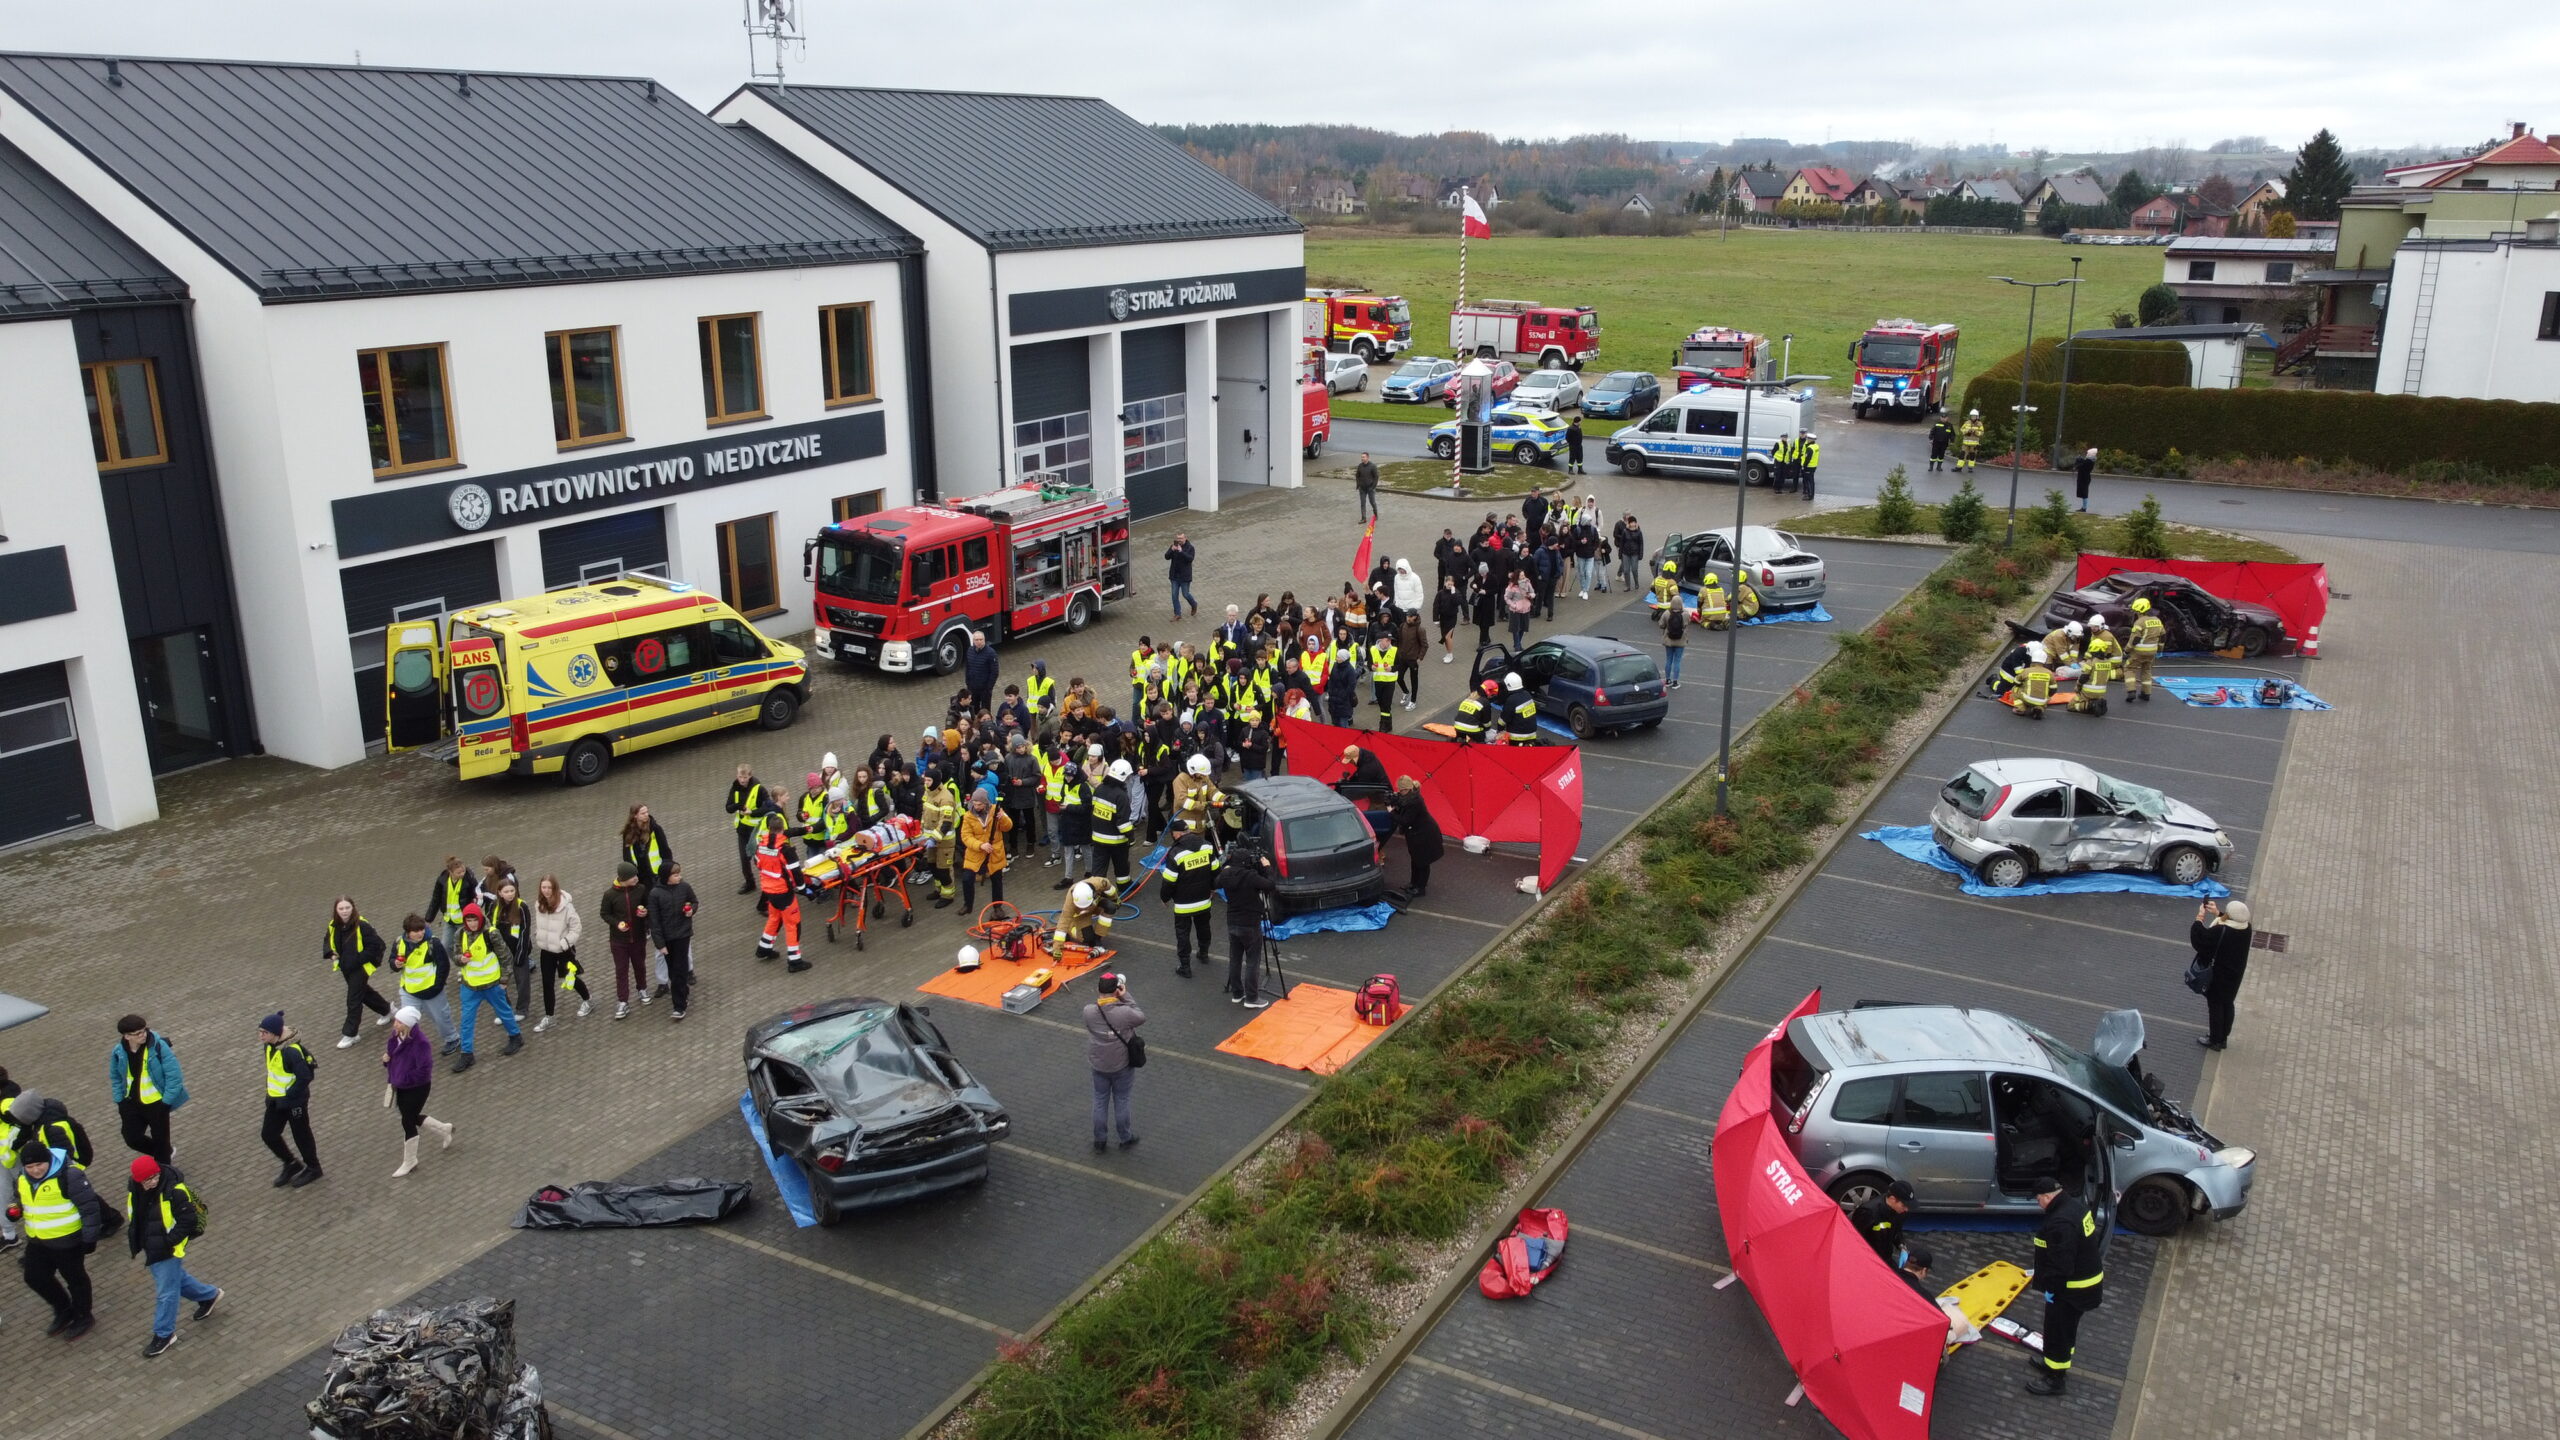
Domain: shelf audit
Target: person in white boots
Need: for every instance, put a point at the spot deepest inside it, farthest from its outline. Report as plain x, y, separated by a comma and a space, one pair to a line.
409, 1064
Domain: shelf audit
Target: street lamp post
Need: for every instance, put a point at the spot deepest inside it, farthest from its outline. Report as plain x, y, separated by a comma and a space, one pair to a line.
2017, 435
1733, 630
2062, 399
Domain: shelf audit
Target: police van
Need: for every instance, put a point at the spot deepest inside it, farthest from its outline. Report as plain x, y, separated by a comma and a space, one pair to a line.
561, 683
1701, 430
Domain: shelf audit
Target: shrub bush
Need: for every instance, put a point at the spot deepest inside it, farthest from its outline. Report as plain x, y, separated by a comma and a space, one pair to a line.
1896, 512
1960, 519
2093, 362
2144, 534
2158, 305
2055, 520
2400, 433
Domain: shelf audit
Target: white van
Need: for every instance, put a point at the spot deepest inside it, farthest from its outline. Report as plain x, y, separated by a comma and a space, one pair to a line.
1701, 430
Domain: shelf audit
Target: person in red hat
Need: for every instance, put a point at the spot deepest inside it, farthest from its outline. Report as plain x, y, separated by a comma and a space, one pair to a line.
165, 1217
482, 967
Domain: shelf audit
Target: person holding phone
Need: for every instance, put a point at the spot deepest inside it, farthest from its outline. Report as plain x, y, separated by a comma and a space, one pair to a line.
2221, 935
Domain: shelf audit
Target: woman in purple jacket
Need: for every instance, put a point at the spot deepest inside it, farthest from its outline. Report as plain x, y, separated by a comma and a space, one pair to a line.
409, 1064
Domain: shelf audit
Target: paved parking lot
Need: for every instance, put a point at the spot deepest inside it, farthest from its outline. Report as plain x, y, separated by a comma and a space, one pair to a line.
893, 1313
1632, 1340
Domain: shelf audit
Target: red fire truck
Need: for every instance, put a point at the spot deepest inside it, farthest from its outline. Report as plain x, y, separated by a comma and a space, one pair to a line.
1903, 367
1315, 403
901, 589
1528, 334
1714, 355
1355, 322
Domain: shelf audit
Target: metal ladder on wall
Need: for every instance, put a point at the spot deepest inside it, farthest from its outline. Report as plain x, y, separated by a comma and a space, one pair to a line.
2422, 311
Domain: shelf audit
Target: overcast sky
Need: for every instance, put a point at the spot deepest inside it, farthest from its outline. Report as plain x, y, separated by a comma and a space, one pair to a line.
2065, 77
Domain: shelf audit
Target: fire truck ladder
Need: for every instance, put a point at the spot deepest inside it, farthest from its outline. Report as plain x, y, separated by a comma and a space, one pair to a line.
2422, 312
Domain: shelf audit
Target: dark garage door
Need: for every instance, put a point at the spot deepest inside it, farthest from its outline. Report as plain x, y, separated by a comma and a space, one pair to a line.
431, 585
590, 552
1155, 429
44, 785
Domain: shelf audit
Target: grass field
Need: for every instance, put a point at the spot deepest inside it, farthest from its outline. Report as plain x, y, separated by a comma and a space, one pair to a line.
2103, 535
1825, 287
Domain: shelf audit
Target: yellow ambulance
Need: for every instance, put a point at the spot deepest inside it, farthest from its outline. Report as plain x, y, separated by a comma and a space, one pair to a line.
561, 683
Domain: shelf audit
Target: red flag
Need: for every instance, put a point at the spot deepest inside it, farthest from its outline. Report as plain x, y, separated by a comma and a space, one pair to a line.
1471, 217
1360, 557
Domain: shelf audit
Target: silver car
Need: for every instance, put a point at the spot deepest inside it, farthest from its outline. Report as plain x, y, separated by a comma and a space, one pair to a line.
1549, 390
2012, 820
1973, 1108
1787, 575
1345, 372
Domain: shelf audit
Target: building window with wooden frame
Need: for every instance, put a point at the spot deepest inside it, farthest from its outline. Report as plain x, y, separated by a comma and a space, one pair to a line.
408, 408
747, 576
586, 386
732, 369
844, 339
854, 507
124, 413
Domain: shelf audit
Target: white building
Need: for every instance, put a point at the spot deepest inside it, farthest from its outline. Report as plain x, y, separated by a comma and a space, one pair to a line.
2475, 318
515, 332
1093, 288
2229, 280
2217, 355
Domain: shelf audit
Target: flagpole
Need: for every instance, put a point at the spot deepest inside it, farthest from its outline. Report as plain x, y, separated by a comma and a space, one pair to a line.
1458, 449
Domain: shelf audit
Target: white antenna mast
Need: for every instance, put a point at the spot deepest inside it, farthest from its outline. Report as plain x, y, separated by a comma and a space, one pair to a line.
773, 35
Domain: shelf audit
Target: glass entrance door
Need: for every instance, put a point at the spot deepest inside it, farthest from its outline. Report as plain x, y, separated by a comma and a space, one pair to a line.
181, 709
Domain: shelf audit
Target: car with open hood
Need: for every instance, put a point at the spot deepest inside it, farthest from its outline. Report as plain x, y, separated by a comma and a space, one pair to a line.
2012, 820
865, 1096
1975, 1109
2195, 618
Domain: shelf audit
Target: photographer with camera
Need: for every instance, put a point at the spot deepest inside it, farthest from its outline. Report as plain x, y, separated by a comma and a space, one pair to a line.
1247, 879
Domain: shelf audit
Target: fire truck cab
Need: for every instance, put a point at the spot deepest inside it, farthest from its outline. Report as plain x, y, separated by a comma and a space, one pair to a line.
1528, 334
1714, 355
1355, 322
1315, 403
901, 589
1903, 367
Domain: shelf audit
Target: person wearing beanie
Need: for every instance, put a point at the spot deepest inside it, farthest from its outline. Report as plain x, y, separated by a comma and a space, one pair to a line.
424, 966
2221, 936
144, 1082
64, 1222
289, 1070
42, 1118
671, 909
481, 962
409, 1071
810, 820
624, 912
164, 1217
454, 887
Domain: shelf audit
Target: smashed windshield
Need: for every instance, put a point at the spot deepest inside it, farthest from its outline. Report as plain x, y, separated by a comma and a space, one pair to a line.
864, 1065
2142, 800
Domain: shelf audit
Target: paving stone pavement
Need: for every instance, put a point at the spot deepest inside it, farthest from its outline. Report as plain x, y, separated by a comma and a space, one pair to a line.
2393, 1276
210, 918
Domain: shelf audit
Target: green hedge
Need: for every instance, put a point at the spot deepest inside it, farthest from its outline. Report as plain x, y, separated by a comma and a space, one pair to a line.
2093, 362
2386, 432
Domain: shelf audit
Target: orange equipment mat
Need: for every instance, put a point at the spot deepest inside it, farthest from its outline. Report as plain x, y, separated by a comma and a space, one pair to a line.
1313, 1029
986, 984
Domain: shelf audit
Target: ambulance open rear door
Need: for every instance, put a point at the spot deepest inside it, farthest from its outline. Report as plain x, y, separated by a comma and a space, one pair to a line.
413, 685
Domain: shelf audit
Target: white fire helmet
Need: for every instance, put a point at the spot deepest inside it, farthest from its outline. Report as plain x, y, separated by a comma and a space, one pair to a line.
968, 959
1120, 770
1197, 765
1082, 894
1511, 681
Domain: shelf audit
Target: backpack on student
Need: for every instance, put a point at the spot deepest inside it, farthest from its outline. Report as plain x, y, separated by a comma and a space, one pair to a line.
1378, 1001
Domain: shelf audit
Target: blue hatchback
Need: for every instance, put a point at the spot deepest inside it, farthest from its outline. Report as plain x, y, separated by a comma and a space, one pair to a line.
1622, 395
1595, 685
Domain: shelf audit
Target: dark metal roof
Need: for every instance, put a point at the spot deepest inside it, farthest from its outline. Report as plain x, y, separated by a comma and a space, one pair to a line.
1030, 172
2247, 334
312, 181
57, 255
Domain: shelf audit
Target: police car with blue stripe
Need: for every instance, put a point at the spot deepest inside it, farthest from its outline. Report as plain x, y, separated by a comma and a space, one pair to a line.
1700, 431
1529, 437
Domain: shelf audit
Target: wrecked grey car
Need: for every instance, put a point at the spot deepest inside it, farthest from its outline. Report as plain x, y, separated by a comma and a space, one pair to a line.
2012, 820
867, 1099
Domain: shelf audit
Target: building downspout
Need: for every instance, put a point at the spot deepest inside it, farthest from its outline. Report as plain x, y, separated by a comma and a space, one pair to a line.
995, 333
923, 458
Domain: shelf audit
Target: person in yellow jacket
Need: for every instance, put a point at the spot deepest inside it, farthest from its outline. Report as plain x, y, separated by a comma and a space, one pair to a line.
2035, 683
1714, 610
1666, 589
2062, 644
2098, 662
1968, 440
1382, 676
2146, 637
941, 817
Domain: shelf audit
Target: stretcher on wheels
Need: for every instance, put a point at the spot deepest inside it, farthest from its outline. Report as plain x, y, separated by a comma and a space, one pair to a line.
864, 873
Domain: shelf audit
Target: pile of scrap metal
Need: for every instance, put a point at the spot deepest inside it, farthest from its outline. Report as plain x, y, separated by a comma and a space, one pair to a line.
449, 1373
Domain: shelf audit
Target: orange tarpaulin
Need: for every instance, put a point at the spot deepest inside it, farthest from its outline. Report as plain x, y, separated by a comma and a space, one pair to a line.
1313, 1029
986, 984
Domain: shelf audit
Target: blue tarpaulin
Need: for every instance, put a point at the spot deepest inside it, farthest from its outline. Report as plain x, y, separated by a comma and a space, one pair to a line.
1812, 614
1917, 842
787, 1178
1346, 919
2241, 693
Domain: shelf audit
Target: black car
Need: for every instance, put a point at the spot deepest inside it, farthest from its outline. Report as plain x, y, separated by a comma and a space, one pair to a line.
1622, 395
2196, 619
1323, 849
1594, 684
867, 1099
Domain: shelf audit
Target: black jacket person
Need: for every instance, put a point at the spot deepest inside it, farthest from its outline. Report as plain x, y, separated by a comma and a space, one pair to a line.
2070, 1275
1879, 1221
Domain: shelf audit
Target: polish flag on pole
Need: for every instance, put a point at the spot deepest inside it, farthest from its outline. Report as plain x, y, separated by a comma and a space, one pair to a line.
1471, 218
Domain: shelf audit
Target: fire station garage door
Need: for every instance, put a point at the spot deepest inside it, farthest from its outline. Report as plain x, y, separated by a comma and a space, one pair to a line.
44, 785
1155, 427
413, 587
590, 552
